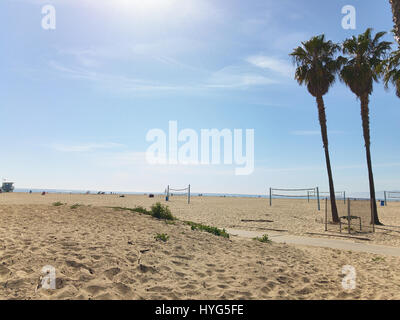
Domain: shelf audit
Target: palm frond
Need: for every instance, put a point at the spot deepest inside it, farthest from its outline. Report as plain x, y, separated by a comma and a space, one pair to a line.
316, 64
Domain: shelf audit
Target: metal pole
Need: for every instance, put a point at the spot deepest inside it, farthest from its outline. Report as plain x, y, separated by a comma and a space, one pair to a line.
167, 193
319, 205
344, 196
372, 218
189, 194
308, 196
385, 198
326, 214
270, 196
348, 215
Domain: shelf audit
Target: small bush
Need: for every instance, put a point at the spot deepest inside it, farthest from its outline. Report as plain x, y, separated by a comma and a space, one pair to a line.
161, 212
263, 239
209, 229
138, 209
378, 259
161, 237
157, 211
75, 206
58, 203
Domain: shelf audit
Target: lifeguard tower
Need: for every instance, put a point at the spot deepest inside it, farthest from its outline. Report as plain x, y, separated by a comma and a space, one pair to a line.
7, 187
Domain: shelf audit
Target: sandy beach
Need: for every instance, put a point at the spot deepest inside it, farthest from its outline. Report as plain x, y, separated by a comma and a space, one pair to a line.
103, 253
292, 216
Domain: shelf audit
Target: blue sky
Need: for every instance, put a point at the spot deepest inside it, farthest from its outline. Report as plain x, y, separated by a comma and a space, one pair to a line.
76, 102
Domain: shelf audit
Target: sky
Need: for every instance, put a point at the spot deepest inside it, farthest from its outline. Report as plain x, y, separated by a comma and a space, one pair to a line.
77, 102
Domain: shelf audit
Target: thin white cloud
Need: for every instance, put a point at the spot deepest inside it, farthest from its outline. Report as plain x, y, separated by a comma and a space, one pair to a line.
238, 77
280, 66
85, 147
115, 82
313, 132
232, 77
375, 165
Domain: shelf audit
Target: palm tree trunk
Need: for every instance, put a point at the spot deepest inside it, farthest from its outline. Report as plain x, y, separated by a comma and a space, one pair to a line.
367, 139
324, 134
396, 18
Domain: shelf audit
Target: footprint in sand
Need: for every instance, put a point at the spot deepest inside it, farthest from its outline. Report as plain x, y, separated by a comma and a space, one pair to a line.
144, 268
111, 273
95, 289
123, 289
4, 272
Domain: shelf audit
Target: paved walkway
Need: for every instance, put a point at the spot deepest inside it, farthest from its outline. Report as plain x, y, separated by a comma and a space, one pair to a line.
320, 242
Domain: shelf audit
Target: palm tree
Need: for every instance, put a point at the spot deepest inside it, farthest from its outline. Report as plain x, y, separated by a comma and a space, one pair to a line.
365, 56
317, 69
396, 18
392, 71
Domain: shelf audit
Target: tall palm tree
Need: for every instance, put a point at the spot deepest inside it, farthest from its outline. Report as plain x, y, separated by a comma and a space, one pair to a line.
365, 55
317, 69
396, 18
392, 71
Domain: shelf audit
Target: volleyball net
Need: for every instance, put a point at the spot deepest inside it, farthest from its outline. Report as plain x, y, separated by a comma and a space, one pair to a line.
339, 195
391, 196
295, 193
177, 192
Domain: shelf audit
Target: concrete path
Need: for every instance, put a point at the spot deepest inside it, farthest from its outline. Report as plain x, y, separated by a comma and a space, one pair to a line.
319, 242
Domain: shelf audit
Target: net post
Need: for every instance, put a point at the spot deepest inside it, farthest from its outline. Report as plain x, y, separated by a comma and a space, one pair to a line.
270, 196
348, 215
344, 196
308, 196
167, 199
384, 192
319, 205
189, 194
326, 214
373, 217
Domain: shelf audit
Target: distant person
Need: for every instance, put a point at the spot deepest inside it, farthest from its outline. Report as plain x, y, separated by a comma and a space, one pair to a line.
30, 191
43, 193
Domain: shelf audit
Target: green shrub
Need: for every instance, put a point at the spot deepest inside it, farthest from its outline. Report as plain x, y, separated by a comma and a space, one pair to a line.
378, 259
58, 203
138, 209
161, 237
263, 239
161, 212
209, 229
75, 206
157, 211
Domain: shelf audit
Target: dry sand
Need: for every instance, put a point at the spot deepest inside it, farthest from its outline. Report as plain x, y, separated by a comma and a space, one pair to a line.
103, 253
